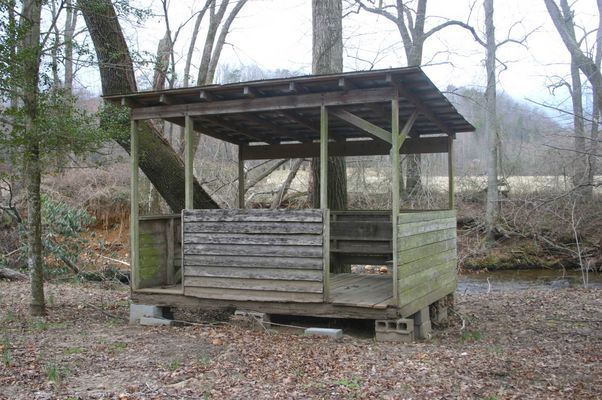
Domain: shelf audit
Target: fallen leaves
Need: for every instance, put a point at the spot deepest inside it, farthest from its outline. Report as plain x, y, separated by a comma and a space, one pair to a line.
514, 345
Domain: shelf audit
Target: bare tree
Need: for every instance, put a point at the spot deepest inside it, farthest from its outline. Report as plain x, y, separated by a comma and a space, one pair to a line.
589, 65
410, 18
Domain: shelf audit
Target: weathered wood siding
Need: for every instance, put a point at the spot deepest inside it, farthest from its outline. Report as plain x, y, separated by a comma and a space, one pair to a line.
361, 236
427, 258
254, 255
160, 251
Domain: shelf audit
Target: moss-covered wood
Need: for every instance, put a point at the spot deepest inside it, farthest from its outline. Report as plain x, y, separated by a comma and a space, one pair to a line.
427, 258
160, 251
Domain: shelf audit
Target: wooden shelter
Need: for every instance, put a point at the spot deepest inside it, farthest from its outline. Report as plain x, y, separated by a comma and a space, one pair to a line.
277, 261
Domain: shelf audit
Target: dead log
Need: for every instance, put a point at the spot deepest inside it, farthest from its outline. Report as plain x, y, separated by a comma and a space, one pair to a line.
12, 275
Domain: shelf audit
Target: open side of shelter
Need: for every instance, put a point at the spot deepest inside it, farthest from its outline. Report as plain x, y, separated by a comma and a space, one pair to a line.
278, 261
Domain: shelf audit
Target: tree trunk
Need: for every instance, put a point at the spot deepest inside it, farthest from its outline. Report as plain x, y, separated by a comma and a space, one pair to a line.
586, 65
279, 197
159, 162
31, 52
492, 210
327, 58
70, 24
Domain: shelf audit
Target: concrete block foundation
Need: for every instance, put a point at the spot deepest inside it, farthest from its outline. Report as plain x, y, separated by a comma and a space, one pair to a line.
395, 330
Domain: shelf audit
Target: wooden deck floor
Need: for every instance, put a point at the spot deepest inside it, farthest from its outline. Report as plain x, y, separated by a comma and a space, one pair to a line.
357, 290
375, 291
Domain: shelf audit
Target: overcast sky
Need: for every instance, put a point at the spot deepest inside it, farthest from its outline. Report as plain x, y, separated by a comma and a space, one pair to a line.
277, 34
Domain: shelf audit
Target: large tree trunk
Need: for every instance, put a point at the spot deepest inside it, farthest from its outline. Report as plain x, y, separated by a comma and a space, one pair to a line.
327, 58
492, 210
30, 50
159, 162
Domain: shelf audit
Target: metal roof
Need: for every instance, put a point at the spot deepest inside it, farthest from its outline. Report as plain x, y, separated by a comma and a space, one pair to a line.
286, 110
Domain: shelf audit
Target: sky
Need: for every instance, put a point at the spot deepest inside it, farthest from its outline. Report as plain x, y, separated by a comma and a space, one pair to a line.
277, 34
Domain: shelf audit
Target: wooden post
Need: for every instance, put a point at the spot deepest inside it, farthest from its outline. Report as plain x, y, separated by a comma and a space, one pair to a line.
188, 164
324, 201
134, 197
326, 255
323, 157
450, 173
395, 177
241, 178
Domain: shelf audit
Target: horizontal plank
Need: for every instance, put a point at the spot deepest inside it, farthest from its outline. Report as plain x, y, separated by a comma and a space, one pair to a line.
256, 284
413, 276
284, 228
361, 247
246, 261
411, 293
408, 308
410, 242
408, 255
253, 250
253, 215
289, 102
425, 145
253, 273
159, 217
252, 295
246, 239
409, 217
361, 230
414, 228
430, 260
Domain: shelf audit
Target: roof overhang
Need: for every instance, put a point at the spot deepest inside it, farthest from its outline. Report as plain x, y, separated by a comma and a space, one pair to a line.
287, 111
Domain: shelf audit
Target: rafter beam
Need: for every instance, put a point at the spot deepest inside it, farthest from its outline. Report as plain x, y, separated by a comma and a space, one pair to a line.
293, 116
279, 103
235, 128
367, 126
349, 148
419, 104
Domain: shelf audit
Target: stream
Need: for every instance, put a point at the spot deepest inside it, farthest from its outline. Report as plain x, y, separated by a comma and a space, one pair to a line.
498, 281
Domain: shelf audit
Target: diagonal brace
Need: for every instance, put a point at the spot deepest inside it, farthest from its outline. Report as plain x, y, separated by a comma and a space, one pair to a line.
367, 126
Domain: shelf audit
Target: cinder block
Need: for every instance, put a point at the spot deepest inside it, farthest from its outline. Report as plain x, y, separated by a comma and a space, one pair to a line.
394, 337
403, 325
138, 311
151, 321
422, 331
394, 330
334, 333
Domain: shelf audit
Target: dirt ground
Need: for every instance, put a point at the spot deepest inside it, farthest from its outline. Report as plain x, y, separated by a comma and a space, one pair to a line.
543, 344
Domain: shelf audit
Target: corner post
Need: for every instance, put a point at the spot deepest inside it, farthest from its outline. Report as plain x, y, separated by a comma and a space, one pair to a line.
323, 157
188, 164
134, 201
241, 178
395, 177
324, 201
450, 173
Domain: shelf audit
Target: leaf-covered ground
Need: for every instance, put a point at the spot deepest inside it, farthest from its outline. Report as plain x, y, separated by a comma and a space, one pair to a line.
524, 344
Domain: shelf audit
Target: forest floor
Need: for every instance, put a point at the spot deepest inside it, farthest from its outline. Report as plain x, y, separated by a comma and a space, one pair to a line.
520, 344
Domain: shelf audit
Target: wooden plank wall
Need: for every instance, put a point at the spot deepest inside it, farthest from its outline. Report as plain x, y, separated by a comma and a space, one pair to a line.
254, 255
427, 258
160, 250
361, 236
